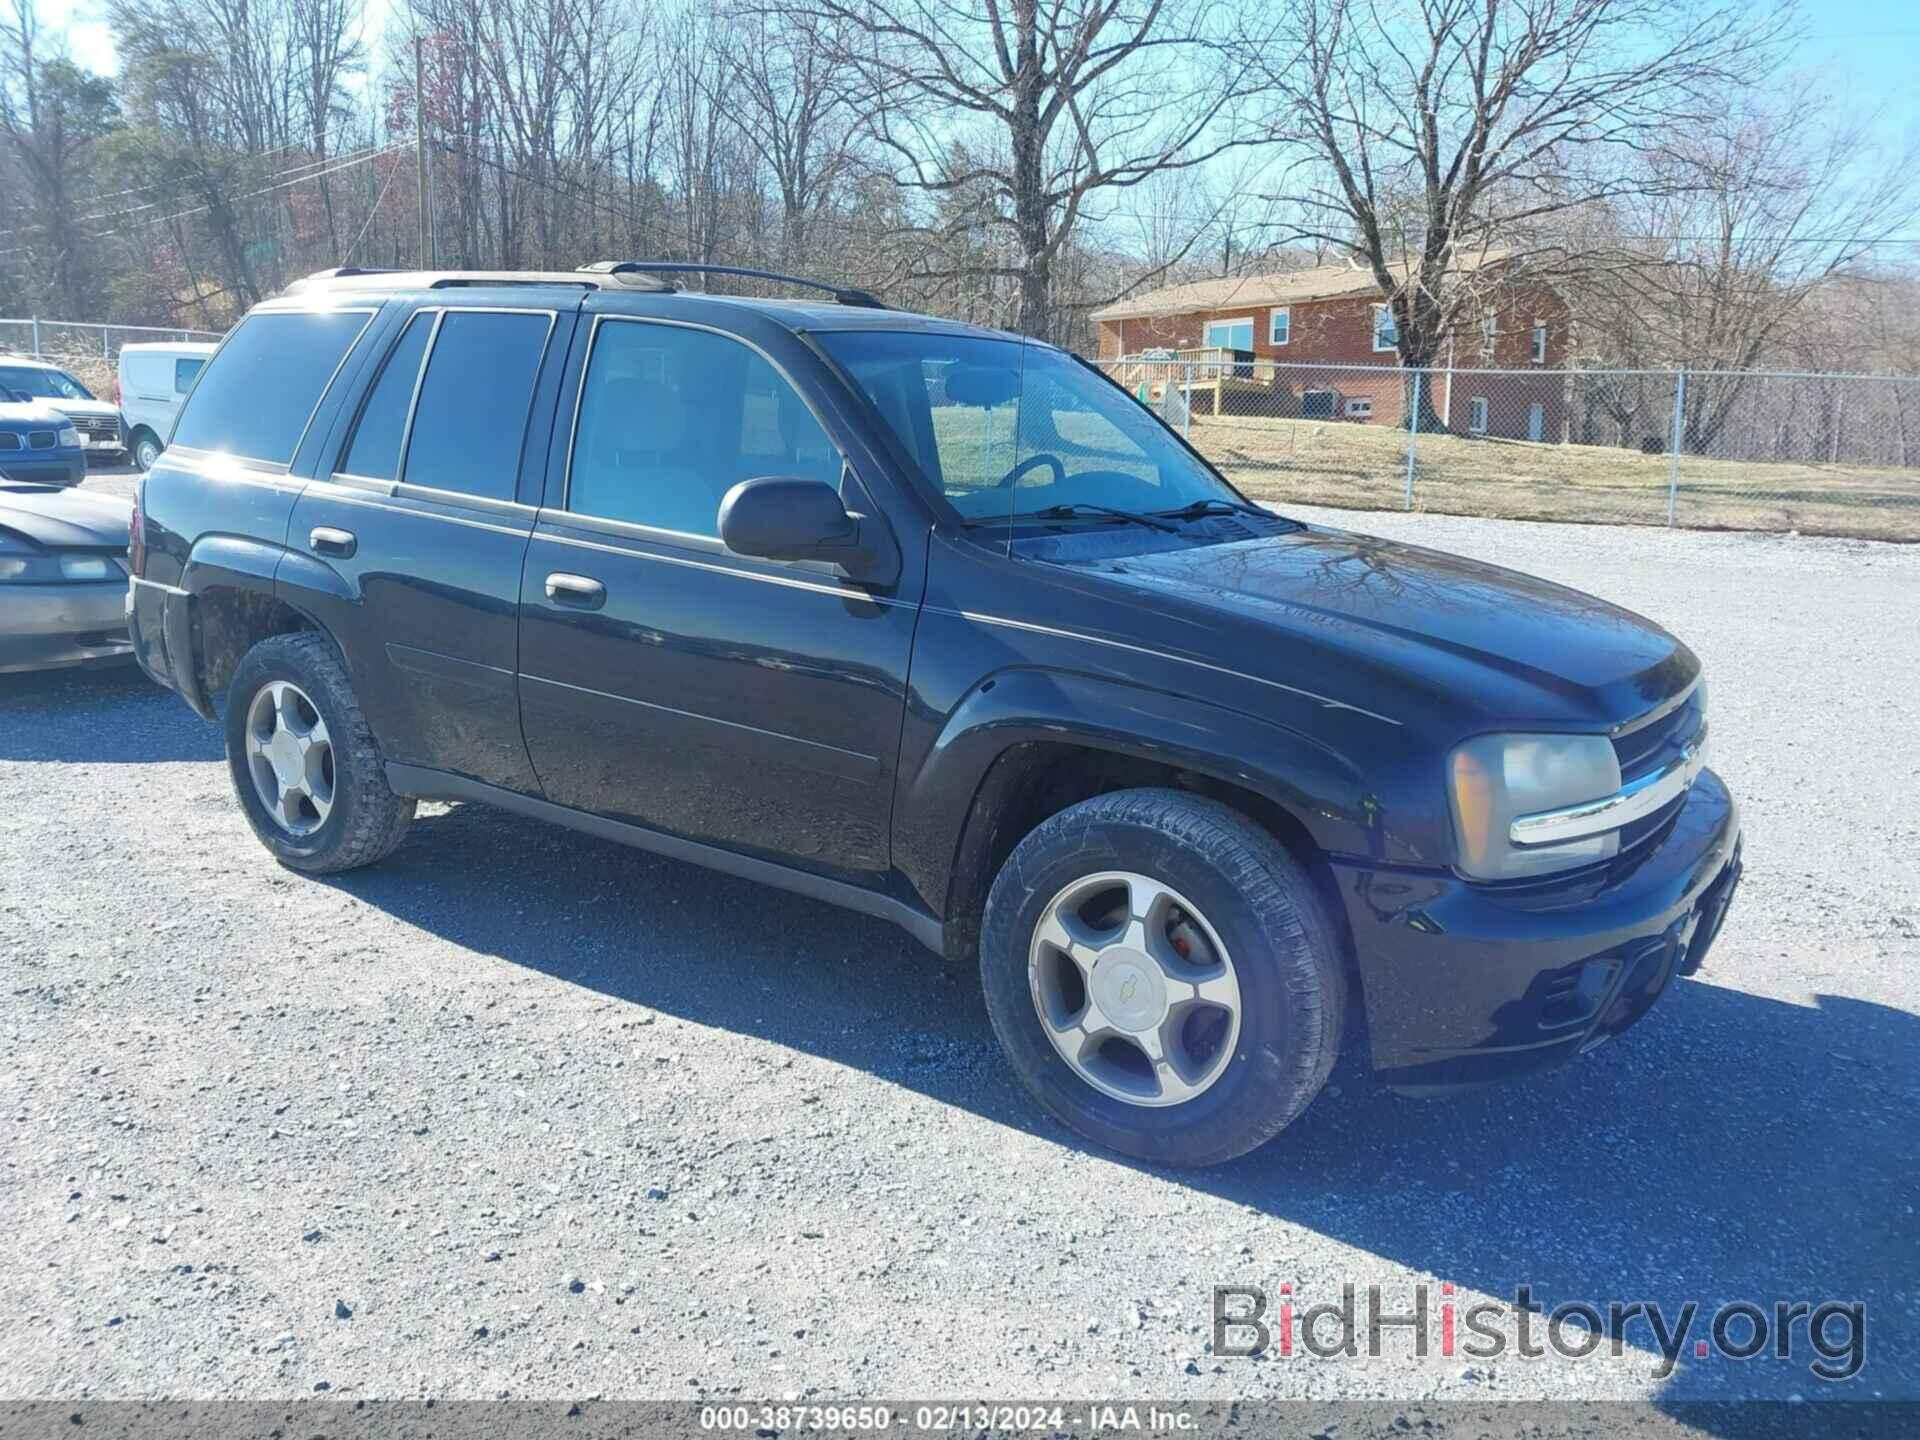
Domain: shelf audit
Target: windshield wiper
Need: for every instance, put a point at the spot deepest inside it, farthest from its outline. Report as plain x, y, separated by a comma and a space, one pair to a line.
1084, 510
1213, 505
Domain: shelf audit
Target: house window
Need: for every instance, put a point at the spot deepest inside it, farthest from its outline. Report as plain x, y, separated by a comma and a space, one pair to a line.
1539, 342
1279, 326
1316, 404
1489, 329
1360, 407
1230, 334
1385, 336
1477, 415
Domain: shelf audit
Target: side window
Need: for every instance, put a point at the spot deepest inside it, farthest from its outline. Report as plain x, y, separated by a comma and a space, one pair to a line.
471, 419
672, 418
375, 451
269, 377
184, 372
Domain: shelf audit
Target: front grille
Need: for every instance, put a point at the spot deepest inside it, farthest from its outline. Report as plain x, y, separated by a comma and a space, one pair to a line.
40, 439
97, 427
9, 441
1648, 745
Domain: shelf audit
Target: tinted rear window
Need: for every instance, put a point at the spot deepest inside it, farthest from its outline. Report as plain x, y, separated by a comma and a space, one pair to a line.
268, 378
471, 417
375, 451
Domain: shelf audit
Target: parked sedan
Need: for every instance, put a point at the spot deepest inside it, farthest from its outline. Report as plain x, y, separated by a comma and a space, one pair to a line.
63, 576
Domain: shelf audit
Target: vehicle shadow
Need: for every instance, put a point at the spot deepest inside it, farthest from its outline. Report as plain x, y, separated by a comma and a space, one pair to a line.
1730, 1147
112, 715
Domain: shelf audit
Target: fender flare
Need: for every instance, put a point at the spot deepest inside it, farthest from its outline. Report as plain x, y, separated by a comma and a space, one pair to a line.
231, 562
253, 569
1325, 793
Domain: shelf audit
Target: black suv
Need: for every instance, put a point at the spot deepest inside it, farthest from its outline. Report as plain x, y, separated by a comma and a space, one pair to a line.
941, 625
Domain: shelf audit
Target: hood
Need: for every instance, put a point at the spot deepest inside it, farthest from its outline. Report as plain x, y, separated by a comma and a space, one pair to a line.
105, 409
30, 412
1520, 648
60, 519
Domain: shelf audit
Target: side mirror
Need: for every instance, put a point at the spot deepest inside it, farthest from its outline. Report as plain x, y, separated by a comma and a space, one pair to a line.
785, 518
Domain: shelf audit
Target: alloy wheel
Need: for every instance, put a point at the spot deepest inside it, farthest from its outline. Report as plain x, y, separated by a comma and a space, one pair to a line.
1134, 989
290, 757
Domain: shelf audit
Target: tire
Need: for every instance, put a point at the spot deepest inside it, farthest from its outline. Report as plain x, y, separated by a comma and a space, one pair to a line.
144, 449
1282, 950
363, 820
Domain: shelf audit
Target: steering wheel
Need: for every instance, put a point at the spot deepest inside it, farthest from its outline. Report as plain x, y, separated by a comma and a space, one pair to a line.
1052, 462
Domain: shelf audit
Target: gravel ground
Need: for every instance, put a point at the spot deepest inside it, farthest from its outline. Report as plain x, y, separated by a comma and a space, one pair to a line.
519, 1113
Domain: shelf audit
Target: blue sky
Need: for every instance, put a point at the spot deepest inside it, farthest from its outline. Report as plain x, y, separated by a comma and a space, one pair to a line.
1863, 48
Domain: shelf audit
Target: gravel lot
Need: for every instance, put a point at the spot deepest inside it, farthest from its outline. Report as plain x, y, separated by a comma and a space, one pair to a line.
520, 1113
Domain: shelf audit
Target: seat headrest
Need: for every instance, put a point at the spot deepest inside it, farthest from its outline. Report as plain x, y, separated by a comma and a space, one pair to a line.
631, 413
797, 425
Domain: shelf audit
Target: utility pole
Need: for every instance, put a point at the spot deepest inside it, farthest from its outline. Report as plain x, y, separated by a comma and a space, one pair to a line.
420, 153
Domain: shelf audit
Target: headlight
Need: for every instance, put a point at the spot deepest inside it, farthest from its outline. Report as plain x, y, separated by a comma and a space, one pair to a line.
21, 567
1496, 778
68, 438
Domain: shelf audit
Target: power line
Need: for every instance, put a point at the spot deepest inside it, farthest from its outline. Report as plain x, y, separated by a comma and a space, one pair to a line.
291, 170
253, 194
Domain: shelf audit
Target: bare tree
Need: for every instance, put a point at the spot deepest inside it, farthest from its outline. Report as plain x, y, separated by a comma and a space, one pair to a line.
1038, 108
51, 117
797, 111
326, 50
1742, 222
1428, 140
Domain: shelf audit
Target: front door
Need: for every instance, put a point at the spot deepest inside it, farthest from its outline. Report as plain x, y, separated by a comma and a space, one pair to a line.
666, 681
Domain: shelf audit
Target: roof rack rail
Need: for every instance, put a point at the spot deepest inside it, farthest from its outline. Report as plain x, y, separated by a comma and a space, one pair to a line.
842, 294
349, 277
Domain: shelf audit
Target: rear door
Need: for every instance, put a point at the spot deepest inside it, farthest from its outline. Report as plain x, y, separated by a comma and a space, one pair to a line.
670, 683
408, 546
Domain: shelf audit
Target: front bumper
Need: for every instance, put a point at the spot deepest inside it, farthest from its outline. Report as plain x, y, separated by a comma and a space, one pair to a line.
43, 627
1465, 983
45, 467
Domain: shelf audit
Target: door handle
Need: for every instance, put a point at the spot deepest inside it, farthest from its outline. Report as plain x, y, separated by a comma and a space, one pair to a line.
326, 540
580, 591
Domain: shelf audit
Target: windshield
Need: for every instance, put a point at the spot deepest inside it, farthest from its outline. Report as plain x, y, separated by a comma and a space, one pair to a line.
1005, 429
45, 384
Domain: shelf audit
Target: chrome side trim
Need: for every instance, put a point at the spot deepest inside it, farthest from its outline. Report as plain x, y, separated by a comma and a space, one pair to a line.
1633, 801
839, 592
1324, 700
371, 504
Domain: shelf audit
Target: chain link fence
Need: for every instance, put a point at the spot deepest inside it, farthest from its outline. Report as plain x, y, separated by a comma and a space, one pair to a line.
90, 351
1739, 450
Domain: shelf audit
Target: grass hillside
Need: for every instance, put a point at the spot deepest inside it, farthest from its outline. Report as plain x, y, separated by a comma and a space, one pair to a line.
1364, 466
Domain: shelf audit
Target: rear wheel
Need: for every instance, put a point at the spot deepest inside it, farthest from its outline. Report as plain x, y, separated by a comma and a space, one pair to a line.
304, 764
1163, 976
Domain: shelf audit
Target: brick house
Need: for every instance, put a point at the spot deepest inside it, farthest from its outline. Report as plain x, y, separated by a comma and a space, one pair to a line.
1336, 316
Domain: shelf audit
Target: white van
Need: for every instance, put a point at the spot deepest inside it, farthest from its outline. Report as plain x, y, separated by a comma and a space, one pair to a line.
154, 381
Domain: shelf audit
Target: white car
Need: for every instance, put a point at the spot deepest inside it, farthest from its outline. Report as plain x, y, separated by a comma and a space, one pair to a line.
22, 377
154, 381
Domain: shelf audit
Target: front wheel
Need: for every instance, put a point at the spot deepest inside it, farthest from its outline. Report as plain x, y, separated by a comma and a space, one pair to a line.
1163, 976
304, 764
